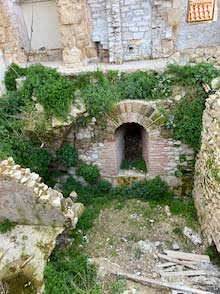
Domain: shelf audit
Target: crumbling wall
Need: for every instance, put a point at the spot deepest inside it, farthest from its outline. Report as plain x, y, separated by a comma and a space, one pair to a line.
114, 31
75, 27
40, 214
207, 174
10, 41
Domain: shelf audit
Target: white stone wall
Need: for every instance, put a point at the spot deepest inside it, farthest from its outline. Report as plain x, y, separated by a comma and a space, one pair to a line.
45, 27
136, 17
100, 24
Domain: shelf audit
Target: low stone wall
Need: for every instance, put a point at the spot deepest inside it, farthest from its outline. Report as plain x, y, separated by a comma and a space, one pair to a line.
207, 174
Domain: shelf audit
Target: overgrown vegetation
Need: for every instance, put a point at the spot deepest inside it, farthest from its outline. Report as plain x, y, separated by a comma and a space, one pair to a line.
6, 226
89, 172
99, 92
12, 74
69, 271
186, 118
68, 155
52, 90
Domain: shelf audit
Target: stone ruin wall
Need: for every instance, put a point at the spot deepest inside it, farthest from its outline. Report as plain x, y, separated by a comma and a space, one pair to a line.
10, 41
115, 31
207, 174
163, 155
40, 213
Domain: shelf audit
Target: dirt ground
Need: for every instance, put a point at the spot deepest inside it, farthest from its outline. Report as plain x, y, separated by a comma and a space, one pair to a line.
130, 235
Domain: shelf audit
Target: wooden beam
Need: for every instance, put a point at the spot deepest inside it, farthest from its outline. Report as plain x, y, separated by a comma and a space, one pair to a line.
187, 256
184, 263
153, 282
190, 273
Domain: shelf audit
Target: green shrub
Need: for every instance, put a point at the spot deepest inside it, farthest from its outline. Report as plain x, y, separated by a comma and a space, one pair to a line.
184, 207
68, 155
28, 154
187, 123
52, 90
11, 103
13, 72
102, 187
38, 160
144, 85
6, 226
89, 172
154, 189
191, 75
99, 99
70, 185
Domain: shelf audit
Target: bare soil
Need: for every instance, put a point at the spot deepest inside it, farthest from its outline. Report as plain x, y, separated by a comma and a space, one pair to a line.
130, 234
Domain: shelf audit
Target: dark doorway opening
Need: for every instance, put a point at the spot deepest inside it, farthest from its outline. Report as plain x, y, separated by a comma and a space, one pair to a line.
131, 146
133, 142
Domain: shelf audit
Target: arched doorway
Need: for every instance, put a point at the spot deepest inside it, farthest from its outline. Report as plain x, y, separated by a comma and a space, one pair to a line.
131, 147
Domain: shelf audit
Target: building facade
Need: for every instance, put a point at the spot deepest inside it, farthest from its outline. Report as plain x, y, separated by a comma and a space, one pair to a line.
115, 31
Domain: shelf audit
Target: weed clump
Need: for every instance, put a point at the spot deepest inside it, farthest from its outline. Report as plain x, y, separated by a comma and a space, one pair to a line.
68, 155
6, 226
89, 172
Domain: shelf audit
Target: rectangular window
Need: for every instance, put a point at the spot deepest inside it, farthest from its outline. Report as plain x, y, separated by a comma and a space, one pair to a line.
200, 10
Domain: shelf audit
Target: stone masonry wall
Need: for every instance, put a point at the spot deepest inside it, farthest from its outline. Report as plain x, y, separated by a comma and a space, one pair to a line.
116, 31
163, 156
75, 27
207, 175
10, 41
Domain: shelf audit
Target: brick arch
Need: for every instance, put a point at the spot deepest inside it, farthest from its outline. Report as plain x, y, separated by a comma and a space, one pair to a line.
144, 114
134, 111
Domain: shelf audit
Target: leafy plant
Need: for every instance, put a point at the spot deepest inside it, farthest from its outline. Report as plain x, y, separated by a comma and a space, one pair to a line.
187, 123
70, 185
52, 90
144, 85
117, 287
14, 71
89, 172
192, 75
6, 226
99, 99
68, 155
